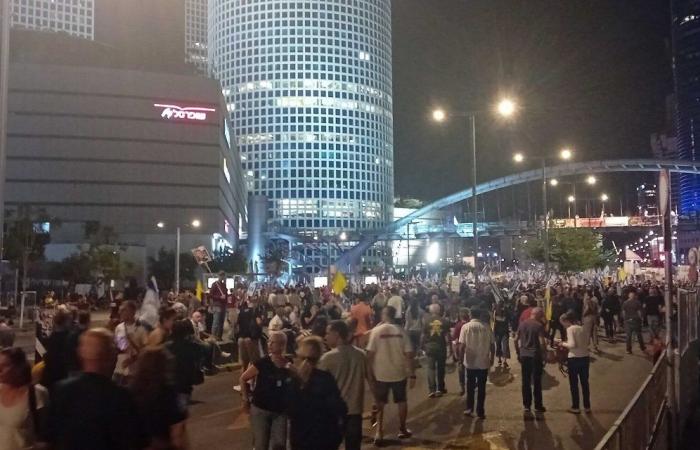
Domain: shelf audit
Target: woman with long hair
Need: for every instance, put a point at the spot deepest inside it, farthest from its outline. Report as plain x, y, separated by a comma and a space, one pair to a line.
316, 409
21, 404
156, 400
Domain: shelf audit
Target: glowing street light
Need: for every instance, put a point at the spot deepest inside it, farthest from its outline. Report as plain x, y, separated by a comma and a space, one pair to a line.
566, 154
439, 115
554, 182
343, 236
518, 157
160, 225
506, 107
196, 223
604, 197
571, 199
591, 180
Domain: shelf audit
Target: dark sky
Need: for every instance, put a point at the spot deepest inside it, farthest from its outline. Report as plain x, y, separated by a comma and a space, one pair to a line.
589, 74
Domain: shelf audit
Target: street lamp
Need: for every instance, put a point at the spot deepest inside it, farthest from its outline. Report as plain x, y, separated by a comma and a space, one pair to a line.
565, 154
554, 182
343, 236
570, 199
603, 199
591, 180
505, 108
196, 223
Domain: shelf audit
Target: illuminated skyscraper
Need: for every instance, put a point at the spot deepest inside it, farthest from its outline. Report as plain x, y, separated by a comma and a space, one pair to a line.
686, 70
308, 85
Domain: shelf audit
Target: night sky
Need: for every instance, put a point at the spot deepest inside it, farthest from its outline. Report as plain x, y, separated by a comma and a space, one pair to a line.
592, 75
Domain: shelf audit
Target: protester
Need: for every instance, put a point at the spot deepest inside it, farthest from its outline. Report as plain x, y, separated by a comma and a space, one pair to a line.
22, 406
317, 411
652, 311
396, 302
166, 318
501, 331
578, 362
435, 342
390, 357
414, 323
557, 309
464, 318
531, 348
632, 314
268, 403
58, 350
157, 400
189, 356
476, 349
7, 334
218, 296
362, 314
591, 317
81, 326
89, 411
348, 365
609, 309
130, 337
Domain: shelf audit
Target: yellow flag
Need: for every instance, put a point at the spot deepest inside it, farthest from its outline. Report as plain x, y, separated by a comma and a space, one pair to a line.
339, 283
199, 290
548, 303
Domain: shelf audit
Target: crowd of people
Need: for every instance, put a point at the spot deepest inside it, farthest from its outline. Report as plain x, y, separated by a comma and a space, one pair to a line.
308, 357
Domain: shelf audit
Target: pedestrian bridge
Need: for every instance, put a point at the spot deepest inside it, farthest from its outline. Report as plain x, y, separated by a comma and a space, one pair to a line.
351, 257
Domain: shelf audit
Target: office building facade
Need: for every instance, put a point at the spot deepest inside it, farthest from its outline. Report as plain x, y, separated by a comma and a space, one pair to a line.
196, 31
74, 17
686, 70
308, 87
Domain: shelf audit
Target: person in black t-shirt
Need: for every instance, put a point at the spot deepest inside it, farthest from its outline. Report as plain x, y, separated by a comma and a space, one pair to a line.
652, 310
89, 411
268, 403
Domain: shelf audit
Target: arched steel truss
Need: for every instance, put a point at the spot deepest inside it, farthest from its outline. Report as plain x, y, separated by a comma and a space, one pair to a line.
350, 257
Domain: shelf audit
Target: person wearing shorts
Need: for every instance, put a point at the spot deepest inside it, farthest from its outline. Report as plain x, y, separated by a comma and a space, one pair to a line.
390, 356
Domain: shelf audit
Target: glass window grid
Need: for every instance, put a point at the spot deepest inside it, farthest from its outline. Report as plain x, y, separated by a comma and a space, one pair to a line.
279, 62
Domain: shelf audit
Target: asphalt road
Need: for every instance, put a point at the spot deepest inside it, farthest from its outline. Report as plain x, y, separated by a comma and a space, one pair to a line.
216, 423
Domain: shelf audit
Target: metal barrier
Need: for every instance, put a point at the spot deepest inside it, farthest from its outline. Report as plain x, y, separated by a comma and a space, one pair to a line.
641, 425
645, 422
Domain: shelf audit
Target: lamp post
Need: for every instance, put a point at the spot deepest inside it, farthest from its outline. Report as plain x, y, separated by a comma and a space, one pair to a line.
571, 199
4, 80
603, 199
565, 154
196, 223
505, 108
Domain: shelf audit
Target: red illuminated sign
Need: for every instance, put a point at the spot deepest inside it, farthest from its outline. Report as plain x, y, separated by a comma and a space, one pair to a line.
175, 112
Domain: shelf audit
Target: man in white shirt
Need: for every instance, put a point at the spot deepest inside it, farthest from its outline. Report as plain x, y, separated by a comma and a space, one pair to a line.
476, 347
390, 357
396, 302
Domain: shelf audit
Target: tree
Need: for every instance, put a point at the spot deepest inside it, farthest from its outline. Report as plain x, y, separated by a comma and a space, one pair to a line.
99, 258
162, 267
27, 237
573, 250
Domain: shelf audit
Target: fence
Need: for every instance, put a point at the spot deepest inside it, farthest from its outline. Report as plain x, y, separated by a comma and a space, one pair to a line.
643, 422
